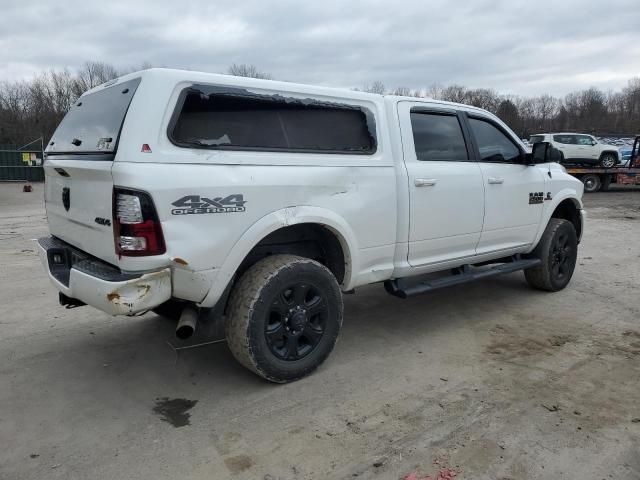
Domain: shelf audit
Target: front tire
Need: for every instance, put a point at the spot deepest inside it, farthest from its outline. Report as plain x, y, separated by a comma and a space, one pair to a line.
558, 250
284, 317
608, 160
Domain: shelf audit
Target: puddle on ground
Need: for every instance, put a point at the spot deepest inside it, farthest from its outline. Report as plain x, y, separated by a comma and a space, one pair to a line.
174, 411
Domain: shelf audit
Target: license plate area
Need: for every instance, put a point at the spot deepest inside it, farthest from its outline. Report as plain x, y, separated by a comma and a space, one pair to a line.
59, 260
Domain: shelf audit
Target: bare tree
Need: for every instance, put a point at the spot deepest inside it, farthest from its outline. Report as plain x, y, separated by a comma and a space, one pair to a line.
93, 74
403, 92
483, 98
435, 91
376, 87
454, 93
547, 107
247, 70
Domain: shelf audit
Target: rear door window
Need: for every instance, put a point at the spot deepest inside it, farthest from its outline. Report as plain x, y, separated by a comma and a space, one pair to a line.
536, 139
94, 122
438, 137
235, 119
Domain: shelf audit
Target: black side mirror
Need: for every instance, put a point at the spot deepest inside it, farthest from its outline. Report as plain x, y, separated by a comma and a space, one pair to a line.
543, 152
540, 153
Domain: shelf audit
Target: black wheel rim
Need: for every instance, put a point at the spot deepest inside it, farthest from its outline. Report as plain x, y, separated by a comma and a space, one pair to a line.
296, 321
561, 257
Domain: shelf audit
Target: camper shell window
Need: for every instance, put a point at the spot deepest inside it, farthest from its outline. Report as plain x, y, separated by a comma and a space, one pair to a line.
237, 119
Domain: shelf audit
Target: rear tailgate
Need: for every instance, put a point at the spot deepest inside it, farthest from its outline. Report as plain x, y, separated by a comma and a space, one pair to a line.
80, 155
78, 199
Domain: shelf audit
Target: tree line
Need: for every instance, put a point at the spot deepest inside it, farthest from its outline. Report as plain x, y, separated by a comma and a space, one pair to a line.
588, 111
31, 109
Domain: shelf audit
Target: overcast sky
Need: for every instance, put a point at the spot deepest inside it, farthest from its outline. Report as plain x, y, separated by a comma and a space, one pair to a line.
513, 46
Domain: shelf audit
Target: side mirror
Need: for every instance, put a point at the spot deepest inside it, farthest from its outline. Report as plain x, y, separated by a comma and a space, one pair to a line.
539, 153
543, 152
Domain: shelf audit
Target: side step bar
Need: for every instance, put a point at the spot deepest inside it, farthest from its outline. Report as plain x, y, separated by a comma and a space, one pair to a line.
466, 273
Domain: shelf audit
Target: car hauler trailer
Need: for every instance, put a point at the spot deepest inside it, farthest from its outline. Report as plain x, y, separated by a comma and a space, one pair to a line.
596, 179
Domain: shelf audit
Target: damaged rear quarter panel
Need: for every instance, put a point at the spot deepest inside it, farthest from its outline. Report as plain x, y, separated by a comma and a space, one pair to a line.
360, 195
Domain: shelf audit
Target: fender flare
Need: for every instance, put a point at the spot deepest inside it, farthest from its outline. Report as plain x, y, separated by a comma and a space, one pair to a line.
614, 152
280, 219
561, 196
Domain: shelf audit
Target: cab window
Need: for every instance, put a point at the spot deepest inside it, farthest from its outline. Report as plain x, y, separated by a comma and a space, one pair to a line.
493, 144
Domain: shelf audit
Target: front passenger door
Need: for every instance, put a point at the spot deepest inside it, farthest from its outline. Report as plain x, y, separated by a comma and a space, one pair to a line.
514, 192
587, 149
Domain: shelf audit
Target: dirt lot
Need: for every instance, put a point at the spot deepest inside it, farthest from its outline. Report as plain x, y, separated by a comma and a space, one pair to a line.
485, 381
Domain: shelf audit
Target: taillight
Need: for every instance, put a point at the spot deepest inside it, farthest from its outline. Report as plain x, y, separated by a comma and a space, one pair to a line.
136, 227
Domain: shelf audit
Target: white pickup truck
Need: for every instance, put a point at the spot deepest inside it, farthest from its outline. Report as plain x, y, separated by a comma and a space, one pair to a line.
176, 191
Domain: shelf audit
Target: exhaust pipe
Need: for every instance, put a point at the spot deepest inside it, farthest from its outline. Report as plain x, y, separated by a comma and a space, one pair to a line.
187, 324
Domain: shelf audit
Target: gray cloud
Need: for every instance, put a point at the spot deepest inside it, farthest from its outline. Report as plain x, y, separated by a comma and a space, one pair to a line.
513, 46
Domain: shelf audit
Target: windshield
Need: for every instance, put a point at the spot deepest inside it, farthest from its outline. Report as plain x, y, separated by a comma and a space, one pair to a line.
536, 139
93, 124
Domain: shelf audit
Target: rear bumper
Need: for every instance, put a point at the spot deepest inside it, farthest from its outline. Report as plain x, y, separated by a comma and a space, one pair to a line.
99, 284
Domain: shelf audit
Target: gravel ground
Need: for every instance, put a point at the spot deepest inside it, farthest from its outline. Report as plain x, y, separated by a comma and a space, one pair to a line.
490, 380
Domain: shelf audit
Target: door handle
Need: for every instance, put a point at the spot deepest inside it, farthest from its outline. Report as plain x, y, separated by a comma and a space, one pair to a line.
495, 180
425, 182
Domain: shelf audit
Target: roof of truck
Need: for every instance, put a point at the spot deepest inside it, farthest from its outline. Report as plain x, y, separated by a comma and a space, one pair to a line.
178, 75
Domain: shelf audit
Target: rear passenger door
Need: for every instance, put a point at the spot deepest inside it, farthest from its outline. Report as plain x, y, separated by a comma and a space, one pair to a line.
514, 191
446, 192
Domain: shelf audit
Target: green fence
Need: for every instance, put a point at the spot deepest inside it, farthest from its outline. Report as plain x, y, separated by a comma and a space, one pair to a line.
20, 164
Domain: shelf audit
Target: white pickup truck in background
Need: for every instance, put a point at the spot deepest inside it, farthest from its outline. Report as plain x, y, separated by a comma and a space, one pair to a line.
178, 191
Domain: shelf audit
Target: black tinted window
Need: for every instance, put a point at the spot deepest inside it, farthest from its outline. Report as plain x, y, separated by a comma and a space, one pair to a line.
264, 122
566, 139
494, 145
536, 139
93, 124
437, 137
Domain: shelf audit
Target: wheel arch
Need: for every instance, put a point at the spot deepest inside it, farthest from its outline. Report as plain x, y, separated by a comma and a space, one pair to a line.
566, 205
613, 152
569, 209
300, 224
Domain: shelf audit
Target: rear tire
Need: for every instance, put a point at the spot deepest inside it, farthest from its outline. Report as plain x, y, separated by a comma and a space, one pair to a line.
592, 182
558, 250
284, 317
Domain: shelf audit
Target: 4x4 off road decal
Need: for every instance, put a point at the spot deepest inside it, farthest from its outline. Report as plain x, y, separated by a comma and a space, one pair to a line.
195, 204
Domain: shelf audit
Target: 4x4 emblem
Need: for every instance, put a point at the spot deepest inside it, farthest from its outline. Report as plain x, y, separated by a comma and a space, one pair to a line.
66, 198
195, 204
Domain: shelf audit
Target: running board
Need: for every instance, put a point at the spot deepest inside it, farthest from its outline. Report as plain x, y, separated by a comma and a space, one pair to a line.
463, 274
